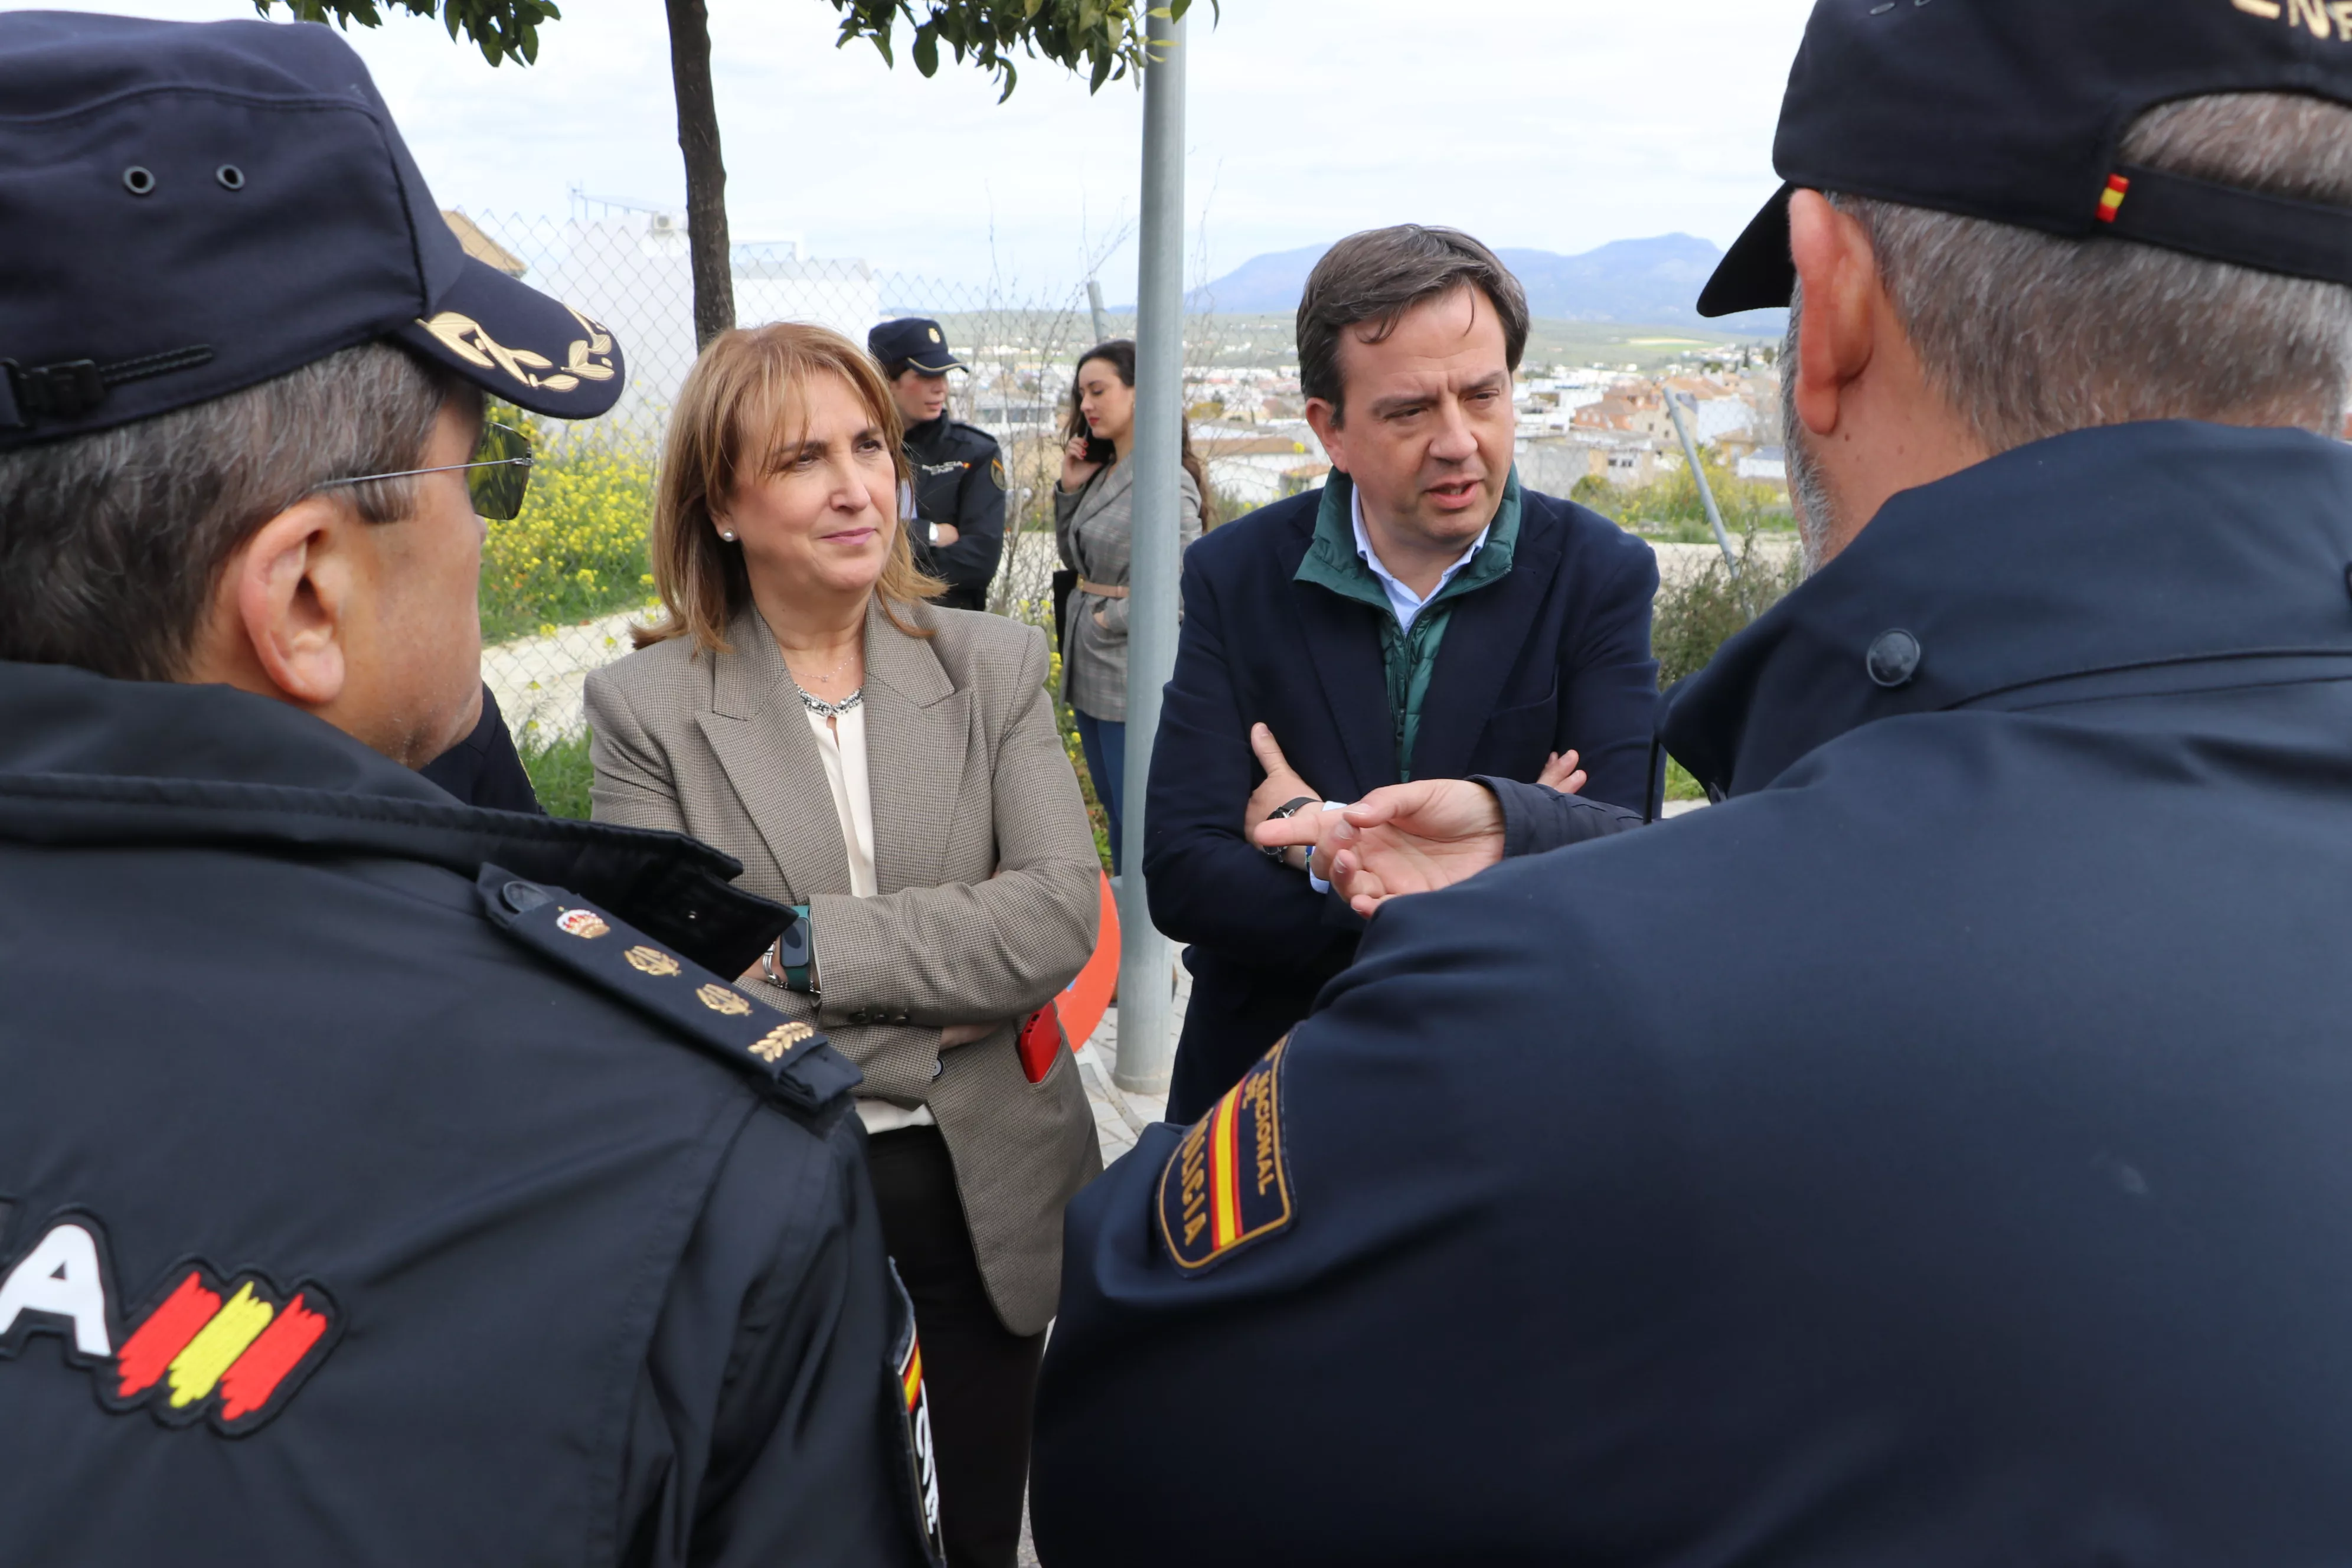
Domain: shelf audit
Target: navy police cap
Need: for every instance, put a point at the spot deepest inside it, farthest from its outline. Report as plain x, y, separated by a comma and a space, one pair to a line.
2014, 110
916, 340
192, 208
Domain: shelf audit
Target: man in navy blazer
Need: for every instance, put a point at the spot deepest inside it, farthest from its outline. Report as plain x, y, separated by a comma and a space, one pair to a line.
1420, 616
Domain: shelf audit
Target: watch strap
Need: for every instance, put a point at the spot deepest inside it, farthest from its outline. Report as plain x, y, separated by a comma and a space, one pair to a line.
795, 953
1286, 809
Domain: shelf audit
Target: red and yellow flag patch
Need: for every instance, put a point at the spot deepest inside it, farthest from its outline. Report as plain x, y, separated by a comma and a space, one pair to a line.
235, 1355
2111, 200
229, 1348
1227, 1185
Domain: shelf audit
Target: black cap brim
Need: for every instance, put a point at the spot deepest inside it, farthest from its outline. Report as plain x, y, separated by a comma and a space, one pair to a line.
1756, 273
936, 366
518, 344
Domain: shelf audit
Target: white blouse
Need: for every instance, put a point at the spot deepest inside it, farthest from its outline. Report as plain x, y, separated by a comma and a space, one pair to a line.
840, 741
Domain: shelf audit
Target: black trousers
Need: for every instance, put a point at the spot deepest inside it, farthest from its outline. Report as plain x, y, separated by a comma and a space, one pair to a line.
982, 1378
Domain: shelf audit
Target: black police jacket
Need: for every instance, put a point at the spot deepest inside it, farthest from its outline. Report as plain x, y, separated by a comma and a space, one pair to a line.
371, 1191
1936, 1155
960, 480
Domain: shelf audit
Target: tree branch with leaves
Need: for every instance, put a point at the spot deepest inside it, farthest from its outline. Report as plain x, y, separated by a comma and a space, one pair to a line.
1104, 39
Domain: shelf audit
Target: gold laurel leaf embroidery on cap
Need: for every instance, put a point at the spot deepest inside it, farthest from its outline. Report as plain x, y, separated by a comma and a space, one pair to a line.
580, 364
452, 330
484, 349
600, 340
559, 383
653, 961
720, 999
780, 1040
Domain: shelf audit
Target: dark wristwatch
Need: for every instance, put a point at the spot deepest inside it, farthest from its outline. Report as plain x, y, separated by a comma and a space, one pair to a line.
794, 953
1288, 810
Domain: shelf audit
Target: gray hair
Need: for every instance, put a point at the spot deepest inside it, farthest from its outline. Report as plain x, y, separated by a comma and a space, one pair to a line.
111, 544
2029, 335
1377, 276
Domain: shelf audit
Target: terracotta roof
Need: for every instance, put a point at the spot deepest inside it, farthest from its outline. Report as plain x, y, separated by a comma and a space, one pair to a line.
481, 246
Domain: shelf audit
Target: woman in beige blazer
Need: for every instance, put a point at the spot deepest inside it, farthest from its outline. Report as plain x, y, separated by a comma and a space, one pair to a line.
892, 768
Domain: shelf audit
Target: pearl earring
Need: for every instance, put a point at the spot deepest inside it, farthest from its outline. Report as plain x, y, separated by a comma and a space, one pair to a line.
724, 534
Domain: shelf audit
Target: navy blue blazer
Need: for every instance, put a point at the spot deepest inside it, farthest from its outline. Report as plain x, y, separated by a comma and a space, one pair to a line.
1555, 654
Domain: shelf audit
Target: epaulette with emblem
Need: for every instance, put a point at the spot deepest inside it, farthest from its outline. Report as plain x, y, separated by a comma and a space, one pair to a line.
798, 1062
1228, 1185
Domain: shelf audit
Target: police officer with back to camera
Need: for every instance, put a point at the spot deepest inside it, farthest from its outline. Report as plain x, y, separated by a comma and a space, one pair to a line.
1935, 1153
382, 1179
958, 531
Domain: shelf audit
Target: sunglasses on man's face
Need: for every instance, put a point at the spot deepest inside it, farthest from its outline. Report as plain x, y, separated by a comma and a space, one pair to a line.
497, 477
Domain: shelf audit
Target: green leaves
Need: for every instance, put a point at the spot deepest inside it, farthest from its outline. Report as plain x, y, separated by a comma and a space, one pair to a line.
501, 29
1104, 38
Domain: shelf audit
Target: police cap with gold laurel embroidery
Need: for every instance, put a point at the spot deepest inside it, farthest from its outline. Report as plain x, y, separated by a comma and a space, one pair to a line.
195, 208
2014, 110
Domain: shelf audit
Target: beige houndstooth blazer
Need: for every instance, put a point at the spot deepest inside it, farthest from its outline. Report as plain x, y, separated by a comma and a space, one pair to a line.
986, 864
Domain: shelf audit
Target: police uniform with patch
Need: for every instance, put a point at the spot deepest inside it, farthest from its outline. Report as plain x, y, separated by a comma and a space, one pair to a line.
1932, 1154
959, 470
382, 1179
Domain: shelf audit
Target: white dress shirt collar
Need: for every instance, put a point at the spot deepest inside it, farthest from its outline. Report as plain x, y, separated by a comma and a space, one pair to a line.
1406, 604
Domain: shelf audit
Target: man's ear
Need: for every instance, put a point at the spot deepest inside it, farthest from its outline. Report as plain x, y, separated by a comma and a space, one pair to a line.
1838, 272
1324, 420
289, 593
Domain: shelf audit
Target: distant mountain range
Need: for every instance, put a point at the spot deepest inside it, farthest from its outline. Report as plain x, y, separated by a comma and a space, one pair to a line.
1644, 281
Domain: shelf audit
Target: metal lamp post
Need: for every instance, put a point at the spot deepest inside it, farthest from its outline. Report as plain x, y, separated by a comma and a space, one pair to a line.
1146, 975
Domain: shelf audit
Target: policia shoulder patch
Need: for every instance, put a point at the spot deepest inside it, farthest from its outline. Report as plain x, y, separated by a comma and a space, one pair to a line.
796, 1063
1228, 1185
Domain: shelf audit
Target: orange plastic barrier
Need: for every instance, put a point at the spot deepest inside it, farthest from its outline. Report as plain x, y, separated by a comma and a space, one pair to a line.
1084, 1001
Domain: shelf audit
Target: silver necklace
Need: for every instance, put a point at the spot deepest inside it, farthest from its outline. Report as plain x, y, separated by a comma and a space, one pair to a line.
824, 710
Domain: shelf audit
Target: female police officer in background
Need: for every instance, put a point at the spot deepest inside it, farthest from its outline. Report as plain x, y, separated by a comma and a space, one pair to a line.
893, 769
957, 469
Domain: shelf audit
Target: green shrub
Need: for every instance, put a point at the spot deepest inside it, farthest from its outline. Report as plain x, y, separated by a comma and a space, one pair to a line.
560, 773
577, 552
1669, 507
1696, 614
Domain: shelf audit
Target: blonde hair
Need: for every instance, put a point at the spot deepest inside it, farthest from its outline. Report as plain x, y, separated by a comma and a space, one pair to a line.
735, 414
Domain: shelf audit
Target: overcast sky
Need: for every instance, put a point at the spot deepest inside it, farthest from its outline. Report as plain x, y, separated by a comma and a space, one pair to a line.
1558, 124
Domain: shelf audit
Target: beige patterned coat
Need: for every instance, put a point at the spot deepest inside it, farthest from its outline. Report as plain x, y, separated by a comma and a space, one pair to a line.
986, 870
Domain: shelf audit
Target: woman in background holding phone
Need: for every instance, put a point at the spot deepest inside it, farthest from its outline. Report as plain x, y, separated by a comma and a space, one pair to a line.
1094, 525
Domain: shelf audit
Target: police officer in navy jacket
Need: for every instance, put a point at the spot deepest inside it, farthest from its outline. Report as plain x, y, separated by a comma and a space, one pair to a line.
960, 483
1420, 616
1935, 1153
382, 1179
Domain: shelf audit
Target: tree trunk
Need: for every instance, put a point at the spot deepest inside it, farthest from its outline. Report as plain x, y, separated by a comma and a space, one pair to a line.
706, 172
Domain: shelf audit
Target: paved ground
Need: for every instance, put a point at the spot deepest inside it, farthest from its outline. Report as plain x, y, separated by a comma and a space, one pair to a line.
1119, 1120
1120, 1117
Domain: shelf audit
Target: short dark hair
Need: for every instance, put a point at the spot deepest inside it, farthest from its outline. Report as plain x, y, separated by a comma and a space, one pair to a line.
1377, 276
111, 543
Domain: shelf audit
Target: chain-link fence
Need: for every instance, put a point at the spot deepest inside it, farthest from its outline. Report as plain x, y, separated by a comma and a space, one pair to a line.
562, 582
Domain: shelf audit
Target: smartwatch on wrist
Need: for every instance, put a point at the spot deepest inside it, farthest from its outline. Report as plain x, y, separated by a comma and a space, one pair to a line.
1288, 810
794, 953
